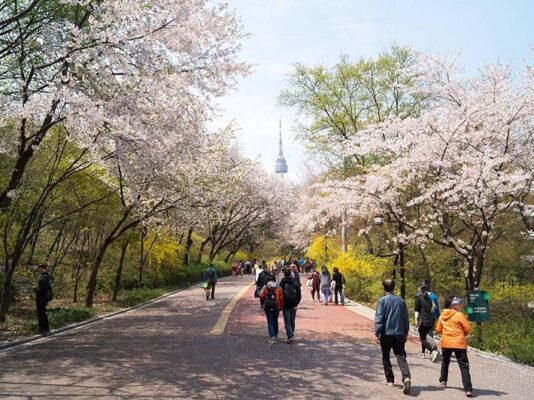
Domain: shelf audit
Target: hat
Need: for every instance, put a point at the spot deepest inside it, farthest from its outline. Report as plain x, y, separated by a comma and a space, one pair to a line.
456, 300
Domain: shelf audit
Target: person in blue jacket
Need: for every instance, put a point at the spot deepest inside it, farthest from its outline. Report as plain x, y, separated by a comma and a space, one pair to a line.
391, 332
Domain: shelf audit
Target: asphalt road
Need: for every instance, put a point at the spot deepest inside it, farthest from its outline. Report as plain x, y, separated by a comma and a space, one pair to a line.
166, 351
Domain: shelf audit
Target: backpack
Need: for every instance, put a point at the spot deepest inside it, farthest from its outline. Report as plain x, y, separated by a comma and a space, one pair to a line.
290, 295
270, 300
211, 274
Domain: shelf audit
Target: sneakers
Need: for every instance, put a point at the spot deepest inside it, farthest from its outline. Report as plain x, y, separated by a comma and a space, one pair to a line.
407, 385
388, 383
434, 356
289, 340
468, 394
272, 341
422, 355
443, 385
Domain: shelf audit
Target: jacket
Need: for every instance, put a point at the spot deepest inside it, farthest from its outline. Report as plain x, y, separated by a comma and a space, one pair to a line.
423, 306
214, 279
339, 279
290, 281
325, 279
453, 328
391, 316
42, 288
279, 295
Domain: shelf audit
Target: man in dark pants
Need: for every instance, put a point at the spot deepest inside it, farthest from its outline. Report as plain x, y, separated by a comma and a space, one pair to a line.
391, 331
210, 276
42, 297
425, 323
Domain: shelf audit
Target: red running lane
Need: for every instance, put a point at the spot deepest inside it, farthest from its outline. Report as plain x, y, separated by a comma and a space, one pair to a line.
314, 320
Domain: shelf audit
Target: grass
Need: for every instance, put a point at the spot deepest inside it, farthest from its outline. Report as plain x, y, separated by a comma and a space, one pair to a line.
138, 296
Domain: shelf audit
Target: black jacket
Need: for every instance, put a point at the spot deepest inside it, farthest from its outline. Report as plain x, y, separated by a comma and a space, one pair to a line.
42, 287
290, 281
424, 307
339, 279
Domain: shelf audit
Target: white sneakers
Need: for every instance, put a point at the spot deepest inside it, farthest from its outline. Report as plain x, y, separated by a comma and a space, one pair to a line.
407, 385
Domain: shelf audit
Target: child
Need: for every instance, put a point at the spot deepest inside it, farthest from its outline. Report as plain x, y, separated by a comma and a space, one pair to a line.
454, 328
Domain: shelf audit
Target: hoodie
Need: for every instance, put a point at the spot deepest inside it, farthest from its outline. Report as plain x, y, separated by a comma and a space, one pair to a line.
277, 292
453, 328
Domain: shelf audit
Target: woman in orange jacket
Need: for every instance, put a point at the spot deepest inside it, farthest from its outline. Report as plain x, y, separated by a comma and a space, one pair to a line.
454, 329
273, 301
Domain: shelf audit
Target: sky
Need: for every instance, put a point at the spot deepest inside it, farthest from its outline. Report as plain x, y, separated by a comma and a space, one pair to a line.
284, 32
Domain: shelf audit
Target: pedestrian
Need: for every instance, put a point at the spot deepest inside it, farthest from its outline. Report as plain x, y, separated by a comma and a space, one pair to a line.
210, 277
43, 294
263, 278
296, 275
325, 284
454, 329
273, 301
315, 285
339, 280
292, 297
391, 331
425, 323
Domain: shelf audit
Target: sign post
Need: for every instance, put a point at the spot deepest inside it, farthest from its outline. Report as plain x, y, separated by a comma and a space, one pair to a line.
477, 309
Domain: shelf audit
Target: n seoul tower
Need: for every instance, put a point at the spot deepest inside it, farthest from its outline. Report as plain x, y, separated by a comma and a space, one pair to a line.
280, 166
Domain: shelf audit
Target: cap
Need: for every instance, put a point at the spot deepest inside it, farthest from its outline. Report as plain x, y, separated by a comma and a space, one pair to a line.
456, 300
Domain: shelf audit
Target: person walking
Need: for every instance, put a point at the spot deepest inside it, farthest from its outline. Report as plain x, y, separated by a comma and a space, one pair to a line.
454, 329
391, 331
339, 280
315, 285
296, 275
43, 294
292, 297
263, 278
273, 301
425, 323
210, 277
325, 284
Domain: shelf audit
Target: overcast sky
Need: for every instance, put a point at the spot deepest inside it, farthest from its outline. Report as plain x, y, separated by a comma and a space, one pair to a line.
283, 32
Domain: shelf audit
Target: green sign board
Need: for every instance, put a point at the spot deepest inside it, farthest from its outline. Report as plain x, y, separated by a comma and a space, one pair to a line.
477, 309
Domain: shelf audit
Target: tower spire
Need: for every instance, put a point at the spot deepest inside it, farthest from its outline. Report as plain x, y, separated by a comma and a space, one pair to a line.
280, 166
280, 152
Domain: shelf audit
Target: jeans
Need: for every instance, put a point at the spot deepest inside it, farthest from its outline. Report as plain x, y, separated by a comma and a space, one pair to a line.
289, 321
425, 344
326, 294
339, 291
395, 342
211, 287
463, 363
272, 322
42, 317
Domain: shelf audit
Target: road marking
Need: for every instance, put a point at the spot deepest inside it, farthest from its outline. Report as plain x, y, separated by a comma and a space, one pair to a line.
220, 326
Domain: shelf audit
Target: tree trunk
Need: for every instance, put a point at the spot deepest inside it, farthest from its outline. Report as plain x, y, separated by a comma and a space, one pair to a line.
369, 244
188, 244
142, 257
201, 250
91, 284
124, 246
475, 266
344, 231
76, 283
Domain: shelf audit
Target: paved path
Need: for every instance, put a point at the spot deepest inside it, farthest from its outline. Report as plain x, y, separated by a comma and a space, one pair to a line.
166, 351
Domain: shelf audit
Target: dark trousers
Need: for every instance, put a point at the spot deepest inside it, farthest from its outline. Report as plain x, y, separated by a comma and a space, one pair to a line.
339, 291
290, 314
423, 332
395, 342
272, 322
211, 287
463, 363
42, 317
315, 289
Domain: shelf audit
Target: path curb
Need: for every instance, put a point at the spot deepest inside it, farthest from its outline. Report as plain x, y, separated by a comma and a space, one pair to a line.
17, 343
